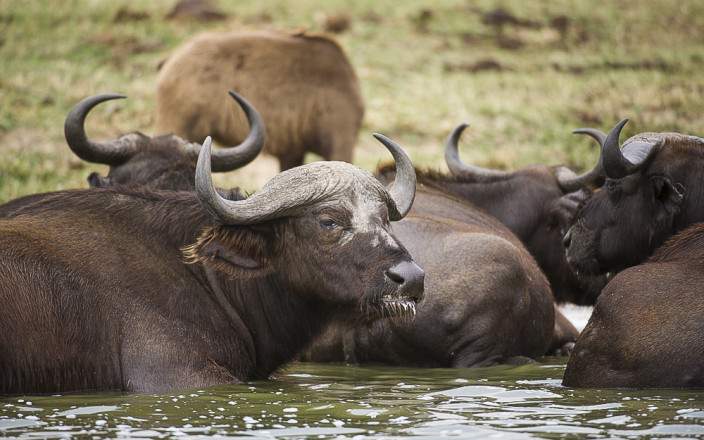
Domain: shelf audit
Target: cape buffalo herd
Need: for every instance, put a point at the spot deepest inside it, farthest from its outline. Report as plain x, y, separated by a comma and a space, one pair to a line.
152, 279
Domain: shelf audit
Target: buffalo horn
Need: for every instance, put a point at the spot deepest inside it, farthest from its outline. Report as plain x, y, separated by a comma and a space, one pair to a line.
461, 169
227, 159
403, 189
112, 152
294, 189
570, 182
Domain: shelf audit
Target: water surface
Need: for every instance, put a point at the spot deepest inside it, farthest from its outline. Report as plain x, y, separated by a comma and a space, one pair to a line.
334, 401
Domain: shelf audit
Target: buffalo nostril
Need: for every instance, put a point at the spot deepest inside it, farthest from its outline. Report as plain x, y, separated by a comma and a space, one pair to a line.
567, 239
394, 276
410, 278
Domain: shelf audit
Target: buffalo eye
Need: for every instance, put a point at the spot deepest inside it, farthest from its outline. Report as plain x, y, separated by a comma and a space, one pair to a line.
328, 223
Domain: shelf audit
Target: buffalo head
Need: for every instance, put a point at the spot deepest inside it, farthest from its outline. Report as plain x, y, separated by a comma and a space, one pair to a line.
651, 191
325, 226
162, 162
537, 204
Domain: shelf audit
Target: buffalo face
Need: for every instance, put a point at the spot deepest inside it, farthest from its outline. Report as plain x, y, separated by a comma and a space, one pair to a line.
324, 230
621, 224
636, 209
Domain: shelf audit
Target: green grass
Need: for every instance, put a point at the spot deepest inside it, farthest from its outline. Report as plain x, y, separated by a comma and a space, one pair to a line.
642, 60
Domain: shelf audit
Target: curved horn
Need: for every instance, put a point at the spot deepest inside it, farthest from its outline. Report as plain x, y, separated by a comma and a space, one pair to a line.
294, 189
109, 153
459, 168
593, 133
275, 199
568, 180
615, 165
228, 159
403, 189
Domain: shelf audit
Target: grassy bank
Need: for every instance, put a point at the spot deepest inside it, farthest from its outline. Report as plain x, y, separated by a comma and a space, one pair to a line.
424, 66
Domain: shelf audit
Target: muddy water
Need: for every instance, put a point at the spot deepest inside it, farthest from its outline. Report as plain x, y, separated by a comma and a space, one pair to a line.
324, 401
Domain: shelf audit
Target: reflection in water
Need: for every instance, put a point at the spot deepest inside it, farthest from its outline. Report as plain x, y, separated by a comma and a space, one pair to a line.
328, 401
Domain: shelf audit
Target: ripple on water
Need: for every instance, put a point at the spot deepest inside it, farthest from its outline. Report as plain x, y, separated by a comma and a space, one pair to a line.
333, 401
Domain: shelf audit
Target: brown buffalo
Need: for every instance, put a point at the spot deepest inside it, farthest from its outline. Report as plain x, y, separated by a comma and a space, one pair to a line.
146, 290
303, 85
647, 328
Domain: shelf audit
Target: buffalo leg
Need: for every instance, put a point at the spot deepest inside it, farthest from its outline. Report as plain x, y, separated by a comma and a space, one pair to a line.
290, 160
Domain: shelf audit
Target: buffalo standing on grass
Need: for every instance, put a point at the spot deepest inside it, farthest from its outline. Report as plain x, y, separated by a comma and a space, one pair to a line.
303, 85
96, 293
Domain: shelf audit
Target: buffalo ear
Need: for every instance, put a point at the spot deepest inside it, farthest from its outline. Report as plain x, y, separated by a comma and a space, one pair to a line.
667, 192
241, 252
563, 210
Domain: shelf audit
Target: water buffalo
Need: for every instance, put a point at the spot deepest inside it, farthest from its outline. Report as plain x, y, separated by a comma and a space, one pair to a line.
486, 299
142, 290
161, 162
166, 161
652, 191
536, 203
646, 329
303, 85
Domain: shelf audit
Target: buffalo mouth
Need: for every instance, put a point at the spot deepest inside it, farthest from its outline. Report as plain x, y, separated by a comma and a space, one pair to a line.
395, 307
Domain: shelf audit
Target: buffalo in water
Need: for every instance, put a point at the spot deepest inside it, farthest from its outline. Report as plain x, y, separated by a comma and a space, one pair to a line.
458, 314
166, 161
145, 290
536, 203
652, 191
644, 328
486, 299
647, 328
303, 85
468, 292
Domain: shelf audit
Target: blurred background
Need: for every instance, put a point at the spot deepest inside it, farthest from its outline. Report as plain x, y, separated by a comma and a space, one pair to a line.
524, 74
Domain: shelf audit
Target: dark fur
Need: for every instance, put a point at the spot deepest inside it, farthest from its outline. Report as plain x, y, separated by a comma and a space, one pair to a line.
160, 163
96, 293
628, 218
647, 328
486, 300
532, 205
